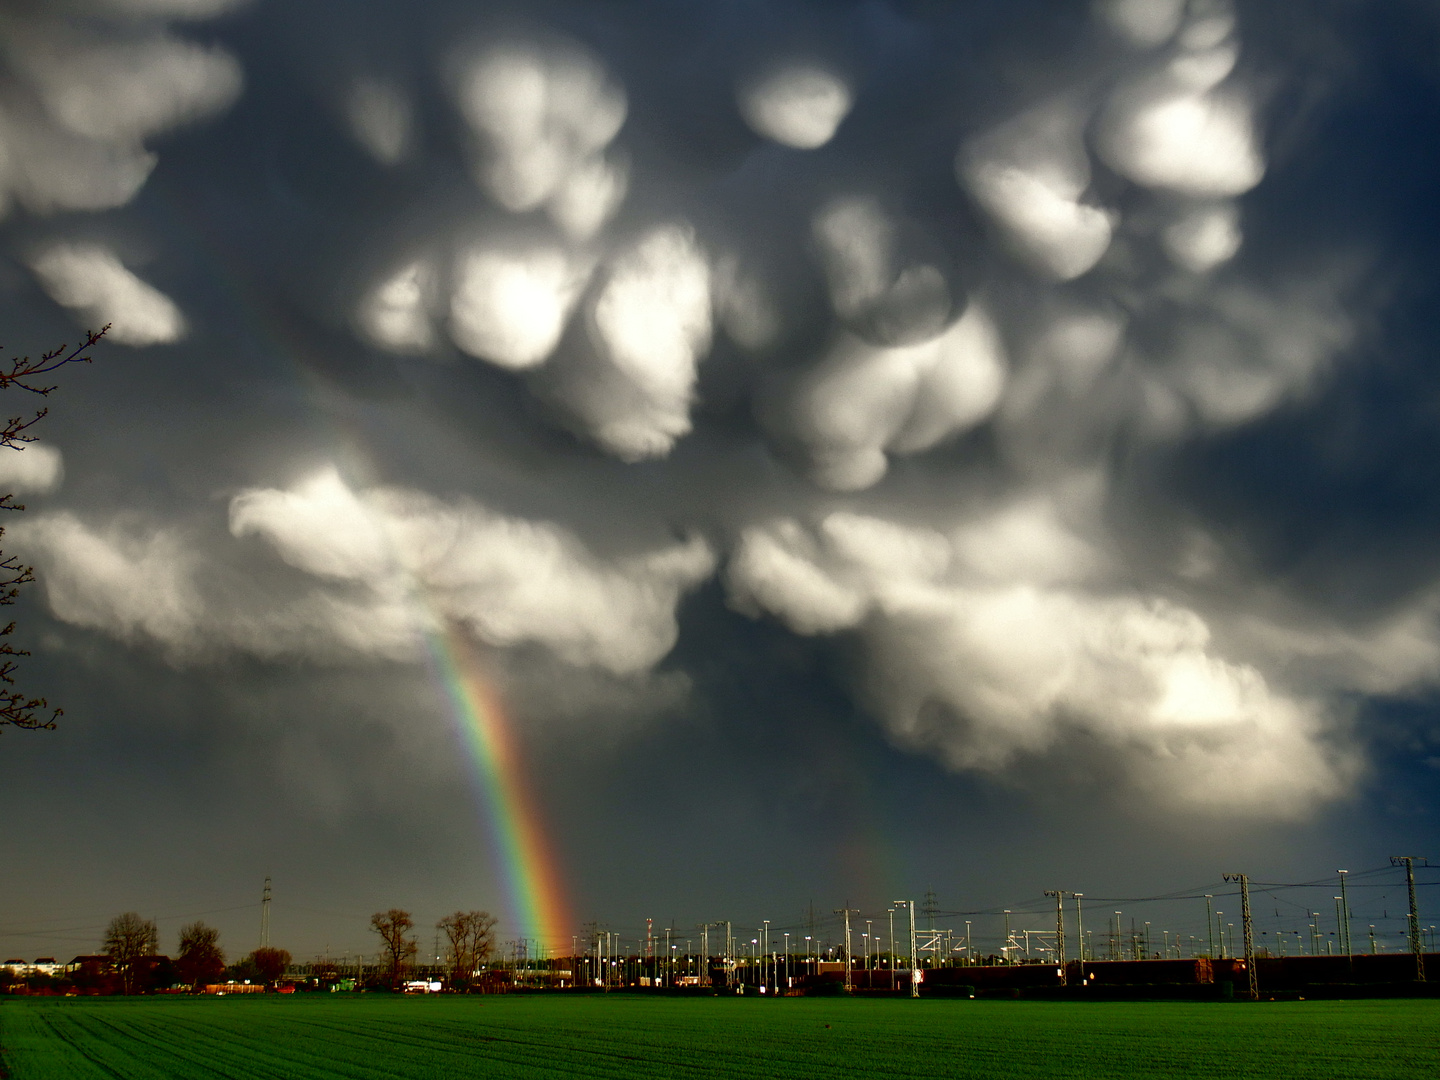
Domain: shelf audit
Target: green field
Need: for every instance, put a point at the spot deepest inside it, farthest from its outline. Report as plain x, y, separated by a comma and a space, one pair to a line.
381, 1036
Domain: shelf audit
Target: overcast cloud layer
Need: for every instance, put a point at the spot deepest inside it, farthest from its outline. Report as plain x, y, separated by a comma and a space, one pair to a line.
1037, 373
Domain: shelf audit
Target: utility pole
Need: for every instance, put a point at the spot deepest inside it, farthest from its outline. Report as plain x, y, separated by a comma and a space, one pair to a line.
914, 971
1244, 881
1210, 923
892, 948
265, 915
849, 963
1416, 945
914, 956
1080, 936
765, 949
1060, 895
1006, 949
1345, 910
729, 955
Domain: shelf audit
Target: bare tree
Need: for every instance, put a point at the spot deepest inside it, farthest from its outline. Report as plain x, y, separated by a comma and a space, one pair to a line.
392, 926
17, 709
128, 939
456, 929
482, 938
200, 960
470, 935
270, 963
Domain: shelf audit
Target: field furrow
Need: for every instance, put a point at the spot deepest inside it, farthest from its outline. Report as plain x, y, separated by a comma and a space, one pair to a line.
379, 1037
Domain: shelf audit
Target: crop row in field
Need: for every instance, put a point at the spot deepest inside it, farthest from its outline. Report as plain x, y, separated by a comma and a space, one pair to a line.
379, 1036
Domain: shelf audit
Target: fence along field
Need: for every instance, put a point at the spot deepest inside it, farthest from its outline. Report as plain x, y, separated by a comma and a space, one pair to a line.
377, 1035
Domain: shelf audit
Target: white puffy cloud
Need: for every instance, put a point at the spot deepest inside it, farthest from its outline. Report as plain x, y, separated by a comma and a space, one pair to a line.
1204, 236
879, 291
652, 318
543, 117
1145, 23
589, 195
85, 96
511, 306
379, 569
1029, 175
395, 314
381, 118
1163, 134
511, 581
975, 657
320, 527
91, 281
862, 402
650, 324
133, 585
797, 104
27, 467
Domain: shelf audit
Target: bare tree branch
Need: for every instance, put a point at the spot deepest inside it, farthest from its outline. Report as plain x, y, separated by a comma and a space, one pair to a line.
17, 709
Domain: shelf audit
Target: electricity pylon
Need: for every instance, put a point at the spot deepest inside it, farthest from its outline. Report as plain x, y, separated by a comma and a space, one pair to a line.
1254, 981
847, 912
1416, 945
1060, 895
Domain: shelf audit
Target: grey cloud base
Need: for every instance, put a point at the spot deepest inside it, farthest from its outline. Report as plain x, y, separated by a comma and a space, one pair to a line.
946, 348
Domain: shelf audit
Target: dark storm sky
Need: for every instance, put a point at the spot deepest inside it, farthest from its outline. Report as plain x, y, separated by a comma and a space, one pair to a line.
872, 446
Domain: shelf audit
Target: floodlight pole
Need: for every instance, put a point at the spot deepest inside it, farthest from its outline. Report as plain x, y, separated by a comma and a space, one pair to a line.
892, 948
914, 982
1345, 910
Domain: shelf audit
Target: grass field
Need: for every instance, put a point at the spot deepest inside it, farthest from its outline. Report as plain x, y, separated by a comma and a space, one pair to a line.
372, 1036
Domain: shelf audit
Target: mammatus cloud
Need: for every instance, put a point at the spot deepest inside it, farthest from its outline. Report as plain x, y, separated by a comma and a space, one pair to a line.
91, 281
381, 118
796, 104
881, 286
85, 94
1187, 129
1029, 175
395, 314
1144, 23
863, 403
377, 570
510, 307
927, 329
542, 119
990, 643
650, 325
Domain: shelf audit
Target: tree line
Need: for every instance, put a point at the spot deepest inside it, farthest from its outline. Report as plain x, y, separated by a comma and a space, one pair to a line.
469, 938
130, 961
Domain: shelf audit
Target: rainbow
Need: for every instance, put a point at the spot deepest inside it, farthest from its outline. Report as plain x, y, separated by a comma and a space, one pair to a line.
528, 865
